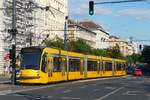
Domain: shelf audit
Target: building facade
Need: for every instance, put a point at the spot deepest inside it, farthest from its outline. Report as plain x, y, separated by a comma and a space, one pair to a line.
36, 20
77, 31
102, 37
126, 47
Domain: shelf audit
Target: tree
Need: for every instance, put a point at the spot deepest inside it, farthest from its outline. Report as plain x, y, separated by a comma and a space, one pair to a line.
134, 58
55, 42
99, 52
81, 46
115, 52
146, 54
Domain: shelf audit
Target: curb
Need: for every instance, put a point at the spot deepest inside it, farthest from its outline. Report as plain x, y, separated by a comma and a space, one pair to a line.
4, 82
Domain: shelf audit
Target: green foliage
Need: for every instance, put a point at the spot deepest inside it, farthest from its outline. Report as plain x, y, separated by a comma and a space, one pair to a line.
100, 52
146, 54
115, 52
55, 42
82, 47
134, 58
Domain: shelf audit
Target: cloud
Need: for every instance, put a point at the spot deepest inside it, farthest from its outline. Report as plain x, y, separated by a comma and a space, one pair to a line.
138, 13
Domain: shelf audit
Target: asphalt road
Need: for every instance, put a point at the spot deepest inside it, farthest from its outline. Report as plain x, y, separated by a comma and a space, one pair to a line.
127, 88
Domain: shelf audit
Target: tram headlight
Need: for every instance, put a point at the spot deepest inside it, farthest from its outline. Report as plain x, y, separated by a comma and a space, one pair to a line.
38, 73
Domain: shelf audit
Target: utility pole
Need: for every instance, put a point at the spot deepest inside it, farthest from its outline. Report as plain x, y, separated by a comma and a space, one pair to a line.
13, 31
65, 33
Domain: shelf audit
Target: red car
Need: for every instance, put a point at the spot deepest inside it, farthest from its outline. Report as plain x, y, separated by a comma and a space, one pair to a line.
138, 72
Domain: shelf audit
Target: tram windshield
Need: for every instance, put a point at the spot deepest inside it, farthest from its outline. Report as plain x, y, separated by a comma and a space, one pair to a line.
30, 61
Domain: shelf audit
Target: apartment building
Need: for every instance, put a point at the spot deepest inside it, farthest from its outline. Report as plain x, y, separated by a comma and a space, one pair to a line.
77, 31
126, 47
102, 37
36, 20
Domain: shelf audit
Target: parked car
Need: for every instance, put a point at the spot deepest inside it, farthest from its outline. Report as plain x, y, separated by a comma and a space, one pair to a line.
130, 70
138, 72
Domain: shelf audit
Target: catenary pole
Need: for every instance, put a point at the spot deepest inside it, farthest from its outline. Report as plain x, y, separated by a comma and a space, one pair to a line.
13, 31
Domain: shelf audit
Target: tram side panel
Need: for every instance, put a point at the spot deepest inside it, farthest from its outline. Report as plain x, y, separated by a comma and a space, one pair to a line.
75, 66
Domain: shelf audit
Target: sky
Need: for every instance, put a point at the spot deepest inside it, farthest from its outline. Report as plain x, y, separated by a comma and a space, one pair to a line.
124, 20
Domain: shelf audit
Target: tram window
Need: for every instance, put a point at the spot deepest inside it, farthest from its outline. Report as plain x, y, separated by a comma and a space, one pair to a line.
74, 65
108, 66
44, 64
56, 61
63, 64
124, 66
103, 65
119, 66
92, 65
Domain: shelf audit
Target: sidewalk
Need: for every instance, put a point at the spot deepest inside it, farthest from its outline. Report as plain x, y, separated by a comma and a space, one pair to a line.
4, 79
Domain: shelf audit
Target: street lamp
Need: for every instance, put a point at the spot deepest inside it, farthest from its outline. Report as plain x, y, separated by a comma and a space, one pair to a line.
65, 33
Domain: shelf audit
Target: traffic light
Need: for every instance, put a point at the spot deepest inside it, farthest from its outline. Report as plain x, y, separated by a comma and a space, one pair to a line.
13, 55
91, 7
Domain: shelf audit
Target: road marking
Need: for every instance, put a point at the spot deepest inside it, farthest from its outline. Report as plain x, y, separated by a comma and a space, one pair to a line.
37, 88
94, 84
111, 93
70, 98
110, 88
95, 90
67, 91
83, 87
148, 95
132, 93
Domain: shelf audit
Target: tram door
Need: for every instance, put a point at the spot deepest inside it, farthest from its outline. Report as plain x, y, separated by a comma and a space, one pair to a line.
63, 64
82, 68
115, 68
57, 68
50, 66
100, 68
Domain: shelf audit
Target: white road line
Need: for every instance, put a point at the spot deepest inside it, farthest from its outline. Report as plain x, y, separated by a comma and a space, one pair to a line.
111, 93
83, 87
67, 91
70, 98
133, 93
110, 88
95, 90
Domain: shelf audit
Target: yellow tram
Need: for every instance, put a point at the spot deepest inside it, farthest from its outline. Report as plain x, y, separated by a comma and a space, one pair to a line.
46, 65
